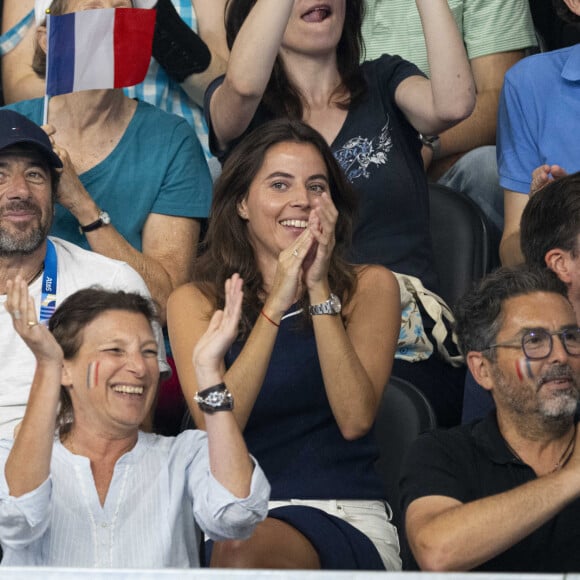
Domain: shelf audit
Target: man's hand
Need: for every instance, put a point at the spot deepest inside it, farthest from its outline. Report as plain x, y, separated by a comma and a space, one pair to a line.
542, 175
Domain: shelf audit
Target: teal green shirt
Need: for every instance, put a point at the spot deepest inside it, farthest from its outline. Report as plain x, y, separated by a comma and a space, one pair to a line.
487, 27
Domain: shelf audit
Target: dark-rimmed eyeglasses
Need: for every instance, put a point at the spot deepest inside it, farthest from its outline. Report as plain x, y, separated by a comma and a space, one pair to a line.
538, 343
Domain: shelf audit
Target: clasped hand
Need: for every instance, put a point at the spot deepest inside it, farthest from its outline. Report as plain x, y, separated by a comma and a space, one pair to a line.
305, 262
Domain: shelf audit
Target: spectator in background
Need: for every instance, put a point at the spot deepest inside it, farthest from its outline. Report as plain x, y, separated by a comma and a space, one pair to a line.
502, 494
538, 125
20, 82
550, 232
496, 35
135, 184
302, 60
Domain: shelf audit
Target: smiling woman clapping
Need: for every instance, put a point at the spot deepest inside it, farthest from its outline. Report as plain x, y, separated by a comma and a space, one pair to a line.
98, 492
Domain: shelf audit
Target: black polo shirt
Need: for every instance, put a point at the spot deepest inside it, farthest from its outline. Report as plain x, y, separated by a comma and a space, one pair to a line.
472, 461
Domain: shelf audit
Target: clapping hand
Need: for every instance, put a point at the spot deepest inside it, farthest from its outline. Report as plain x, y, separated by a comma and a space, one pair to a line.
222, 331
305, 262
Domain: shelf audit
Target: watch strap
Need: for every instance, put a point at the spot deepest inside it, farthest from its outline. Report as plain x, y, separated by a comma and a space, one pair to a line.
214, 399
433, 142
101, 221
326, 307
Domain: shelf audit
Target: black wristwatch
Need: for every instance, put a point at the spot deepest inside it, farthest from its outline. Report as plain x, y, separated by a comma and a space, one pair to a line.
102, 220
214, 399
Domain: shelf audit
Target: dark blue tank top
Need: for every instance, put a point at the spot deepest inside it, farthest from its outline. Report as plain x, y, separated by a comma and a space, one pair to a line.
292, 431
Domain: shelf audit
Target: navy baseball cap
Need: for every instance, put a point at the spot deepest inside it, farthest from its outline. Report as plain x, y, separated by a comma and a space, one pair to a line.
16, 129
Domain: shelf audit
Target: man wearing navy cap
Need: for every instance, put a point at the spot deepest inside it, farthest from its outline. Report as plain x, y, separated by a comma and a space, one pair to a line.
53, 268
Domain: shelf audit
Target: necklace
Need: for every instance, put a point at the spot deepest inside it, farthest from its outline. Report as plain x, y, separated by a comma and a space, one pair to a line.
564, 458
36, 275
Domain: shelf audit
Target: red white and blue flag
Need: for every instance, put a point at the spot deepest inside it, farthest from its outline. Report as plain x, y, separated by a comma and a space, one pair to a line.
104, 48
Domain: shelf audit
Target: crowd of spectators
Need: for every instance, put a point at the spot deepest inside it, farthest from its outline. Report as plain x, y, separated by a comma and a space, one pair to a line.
256, 215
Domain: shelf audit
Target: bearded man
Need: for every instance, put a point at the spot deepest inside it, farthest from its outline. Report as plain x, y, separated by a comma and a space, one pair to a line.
501, 494
53, 268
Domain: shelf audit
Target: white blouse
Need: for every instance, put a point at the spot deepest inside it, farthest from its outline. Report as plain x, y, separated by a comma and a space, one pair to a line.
159, 491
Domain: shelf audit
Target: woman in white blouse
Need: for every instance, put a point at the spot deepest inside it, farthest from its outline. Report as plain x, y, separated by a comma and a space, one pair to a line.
99, 492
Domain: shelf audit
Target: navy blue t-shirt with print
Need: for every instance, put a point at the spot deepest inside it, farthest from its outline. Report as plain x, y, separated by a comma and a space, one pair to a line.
380, 153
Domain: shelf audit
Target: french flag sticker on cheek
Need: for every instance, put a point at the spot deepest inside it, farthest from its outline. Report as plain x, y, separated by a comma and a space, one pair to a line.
103, 48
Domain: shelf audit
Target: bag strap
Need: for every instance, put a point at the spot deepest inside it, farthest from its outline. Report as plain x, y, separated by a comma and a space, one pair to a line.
438, 310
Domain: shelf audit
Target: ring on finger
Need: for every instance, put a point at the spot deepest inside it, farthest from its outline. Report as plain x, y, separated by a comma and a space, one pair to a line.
32, 324
16, 314
295, 253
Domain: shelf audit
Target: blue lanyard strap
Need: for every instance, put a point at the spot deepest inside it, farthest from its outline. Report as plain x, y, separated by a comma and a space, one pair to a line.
48, 299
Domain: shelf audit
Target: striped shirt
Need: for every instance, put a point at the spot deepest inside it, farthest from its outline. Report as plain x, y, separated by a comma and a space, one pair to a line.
159, 491
487, 27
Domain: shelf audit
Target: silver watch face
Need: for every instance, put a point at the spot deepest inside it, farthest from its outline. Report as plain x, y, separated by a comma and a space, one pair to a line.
105, 218
335, 303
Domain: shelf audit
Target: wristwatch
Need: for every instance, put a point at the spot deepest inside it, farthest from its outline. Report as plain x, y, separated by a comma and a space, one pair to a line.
214, 399
102, 220
433, 142
330, 306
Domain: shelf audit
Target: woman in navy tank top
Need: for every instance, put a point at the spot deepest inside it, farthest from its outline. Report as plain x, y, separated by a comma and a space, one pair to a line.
315, 350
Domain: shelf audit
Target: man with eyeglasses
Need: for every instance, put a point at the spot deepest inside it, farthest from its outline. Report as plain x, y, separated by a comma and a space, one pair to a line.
550, 238
501, 494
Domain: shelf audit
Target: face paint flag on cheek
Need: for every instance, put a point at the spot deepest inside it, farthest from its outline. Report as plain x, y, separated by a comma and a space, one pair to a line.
524, 365
529, 371
93, 375
519, 370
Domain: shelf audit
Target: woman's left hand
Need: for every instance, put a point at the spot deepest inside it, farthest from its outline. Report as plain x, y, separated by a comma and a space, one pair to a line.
321, 223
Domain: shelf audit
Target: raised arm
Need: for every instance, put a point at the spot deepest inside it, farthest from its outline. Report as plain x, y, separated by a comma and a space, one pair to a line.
435, 105
480, 127
211, 16
229, 460
447, 535
19, 81
252, 58
168, 242
28, 464
188, 315
191, 59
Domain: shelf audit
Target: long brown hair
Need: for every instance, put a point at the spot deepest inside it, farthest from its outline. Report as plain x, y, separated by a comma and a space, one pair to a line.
227, 248
283, 98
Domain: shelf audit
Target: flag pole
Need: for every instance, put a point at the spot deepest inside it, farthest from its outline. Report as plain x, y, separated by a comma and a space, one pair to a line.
46, 96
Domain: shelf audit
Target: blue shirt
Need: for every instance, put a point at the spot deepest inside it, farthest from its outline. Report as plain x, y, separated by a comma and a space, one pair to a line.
539, 117
157, 167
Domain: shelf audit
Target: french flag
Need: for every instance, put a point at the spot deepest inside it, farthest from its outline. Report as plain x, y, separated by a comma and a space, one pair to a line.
104, 48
